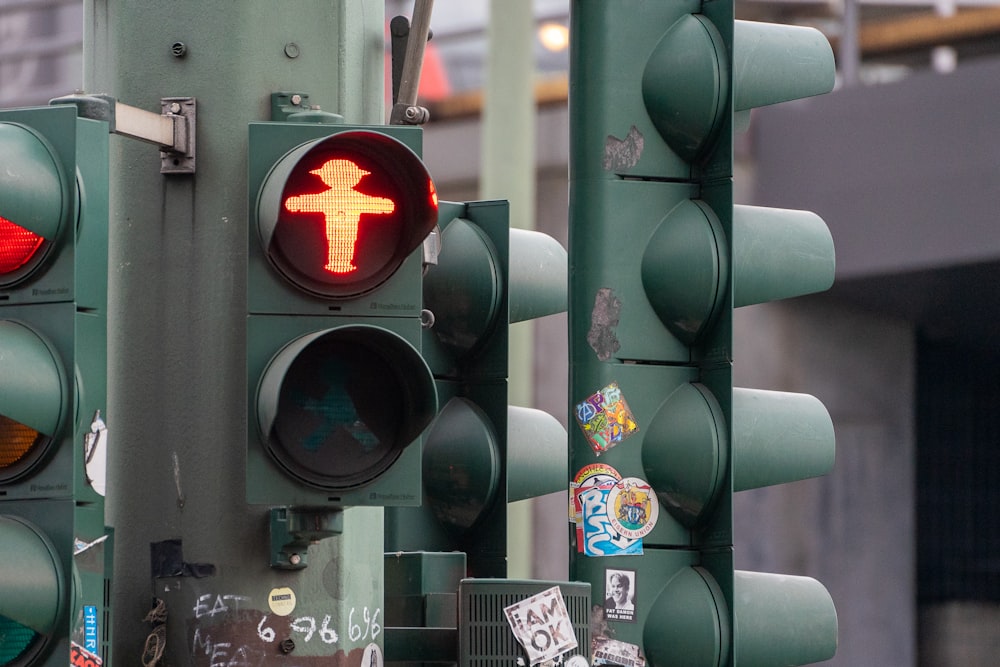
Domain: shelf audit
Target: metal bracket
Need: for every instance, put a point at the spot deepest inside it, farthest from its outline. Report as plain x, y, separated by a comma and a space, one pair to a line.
408, 44
293, 529
173, 129
178, 156
295, 107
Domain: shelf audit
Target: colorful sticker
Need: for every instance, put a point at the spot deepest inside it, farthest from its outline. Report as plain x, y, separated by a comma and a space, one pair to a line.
606, 419
613, 652
619, 595
593, 474
81, 657
632, 508
600, 537
542, 625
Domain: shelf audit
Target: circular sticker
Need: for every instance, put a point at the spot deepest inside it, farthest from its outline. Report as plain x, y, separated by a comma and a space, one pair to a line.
372, 657
281, 601
632, 508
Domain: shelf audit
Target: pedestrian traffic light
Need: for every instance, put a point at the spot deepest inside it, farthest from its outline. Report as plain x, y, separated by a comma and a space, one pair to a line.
660, 256
480, 453
338, 391
53, 378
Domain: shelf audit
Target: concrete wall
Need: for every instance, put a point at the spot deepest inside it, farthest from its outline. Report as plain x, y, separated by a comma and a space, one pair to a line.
853, 529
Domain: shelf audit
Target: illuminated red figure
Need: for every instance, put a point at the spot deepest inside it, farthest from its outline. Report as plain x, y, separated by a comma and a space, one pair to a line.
342, 206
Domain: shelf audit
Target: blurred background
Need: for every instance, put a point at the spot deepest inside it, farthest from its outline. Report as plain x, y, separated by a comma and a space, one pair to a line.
902, 161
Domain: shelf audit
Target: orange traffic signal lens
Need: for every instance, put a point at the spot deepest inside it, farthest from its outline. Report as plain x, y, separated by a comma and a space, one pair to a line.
17, 246
339, 215
17, 441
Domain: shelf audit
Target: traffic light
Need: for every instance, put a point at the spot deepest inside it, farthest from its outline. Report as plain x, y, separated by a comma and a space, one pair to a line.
660, 256
53, 368
480, 453
338, 391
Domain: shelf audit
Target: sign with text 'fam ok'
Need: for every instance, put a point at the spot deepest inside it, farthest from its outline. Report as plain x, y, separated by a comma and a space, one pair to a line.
542, 625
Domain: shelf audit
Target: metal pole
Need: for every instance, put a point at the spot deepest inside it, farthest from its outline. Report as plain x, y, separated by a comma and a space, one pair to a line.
184, 533
508, 172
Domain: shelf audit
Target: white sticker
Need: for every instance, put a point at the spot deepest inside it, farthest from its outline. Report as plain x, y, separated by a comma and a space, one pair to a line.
281, 601
542, 625
95, 453
372, 657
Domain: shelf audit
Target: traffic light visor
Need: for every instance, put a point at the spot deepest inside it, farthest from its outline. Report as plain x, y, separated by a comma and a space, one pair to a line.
336, 408
34, 201
337, 216
33, 399
33, 595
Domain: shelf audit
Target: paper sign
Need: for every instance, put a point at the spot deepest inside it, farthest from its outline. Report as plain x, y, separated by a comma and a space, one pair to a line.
542, 625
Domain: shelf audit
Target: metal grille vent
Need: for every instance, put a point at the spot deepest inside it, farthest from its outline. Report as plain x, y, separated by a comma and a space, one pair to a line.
485, 638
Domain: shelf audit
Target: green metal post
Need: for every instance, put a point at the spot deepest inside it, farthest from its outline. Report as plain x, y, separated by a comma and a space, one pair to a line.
185, 535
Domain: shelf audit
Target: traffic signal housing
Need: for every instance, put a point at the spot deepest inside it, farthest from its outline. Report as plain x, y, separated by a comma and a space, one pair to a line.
480, 453
53, 385
338, 391
660, 256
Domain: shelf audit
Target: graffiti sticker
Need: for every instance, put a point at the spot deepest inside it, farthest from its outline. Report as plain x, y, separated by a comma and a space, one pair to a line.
593, 474
600, 538
605, 418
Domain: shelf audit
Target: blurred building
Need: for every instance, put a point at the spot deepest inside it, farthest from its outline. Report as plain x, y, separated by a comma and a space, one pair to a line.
903, 163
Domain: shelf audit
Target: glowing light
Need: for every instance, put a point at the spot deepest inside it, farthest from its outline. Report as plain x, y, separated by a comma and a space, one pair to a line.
342, 207
17, 246
554, 36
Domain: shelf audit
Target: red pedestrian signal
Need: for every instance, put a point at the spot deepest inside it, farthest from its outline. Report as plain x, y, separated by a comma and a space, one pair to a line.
338, 390
339, 215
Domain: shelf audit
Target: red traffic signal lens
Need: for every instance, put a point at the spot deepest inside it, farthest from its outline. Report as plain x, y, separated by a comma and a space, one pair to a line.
338, 216
34, 201
17, 246
336, 408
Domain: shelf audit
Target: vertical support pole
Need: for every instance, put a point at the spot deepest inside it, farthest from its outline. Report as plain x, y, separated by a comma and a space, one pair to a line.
508, 172
177, 321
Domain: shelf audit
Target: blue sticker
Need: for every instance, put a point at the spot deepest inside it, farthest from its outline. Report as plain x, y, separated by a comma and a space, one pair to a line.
599, 535
90, 628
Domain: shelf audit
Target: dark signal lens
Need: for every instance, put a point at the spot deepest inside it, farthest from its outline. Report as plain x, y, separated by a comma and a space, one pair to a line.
342, 404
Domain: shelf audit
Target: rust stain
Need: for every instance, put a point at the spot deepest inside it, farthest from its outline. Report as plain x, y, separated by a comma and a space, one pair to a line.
624, 153
603, 320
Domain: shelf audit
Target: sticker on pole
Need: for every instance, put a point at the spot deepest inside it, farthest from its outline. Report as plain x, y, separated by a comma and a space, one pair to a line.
95, 454
600, 537
81, 657
542, 625
281, 601
632, 508
593, 474
605, 418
